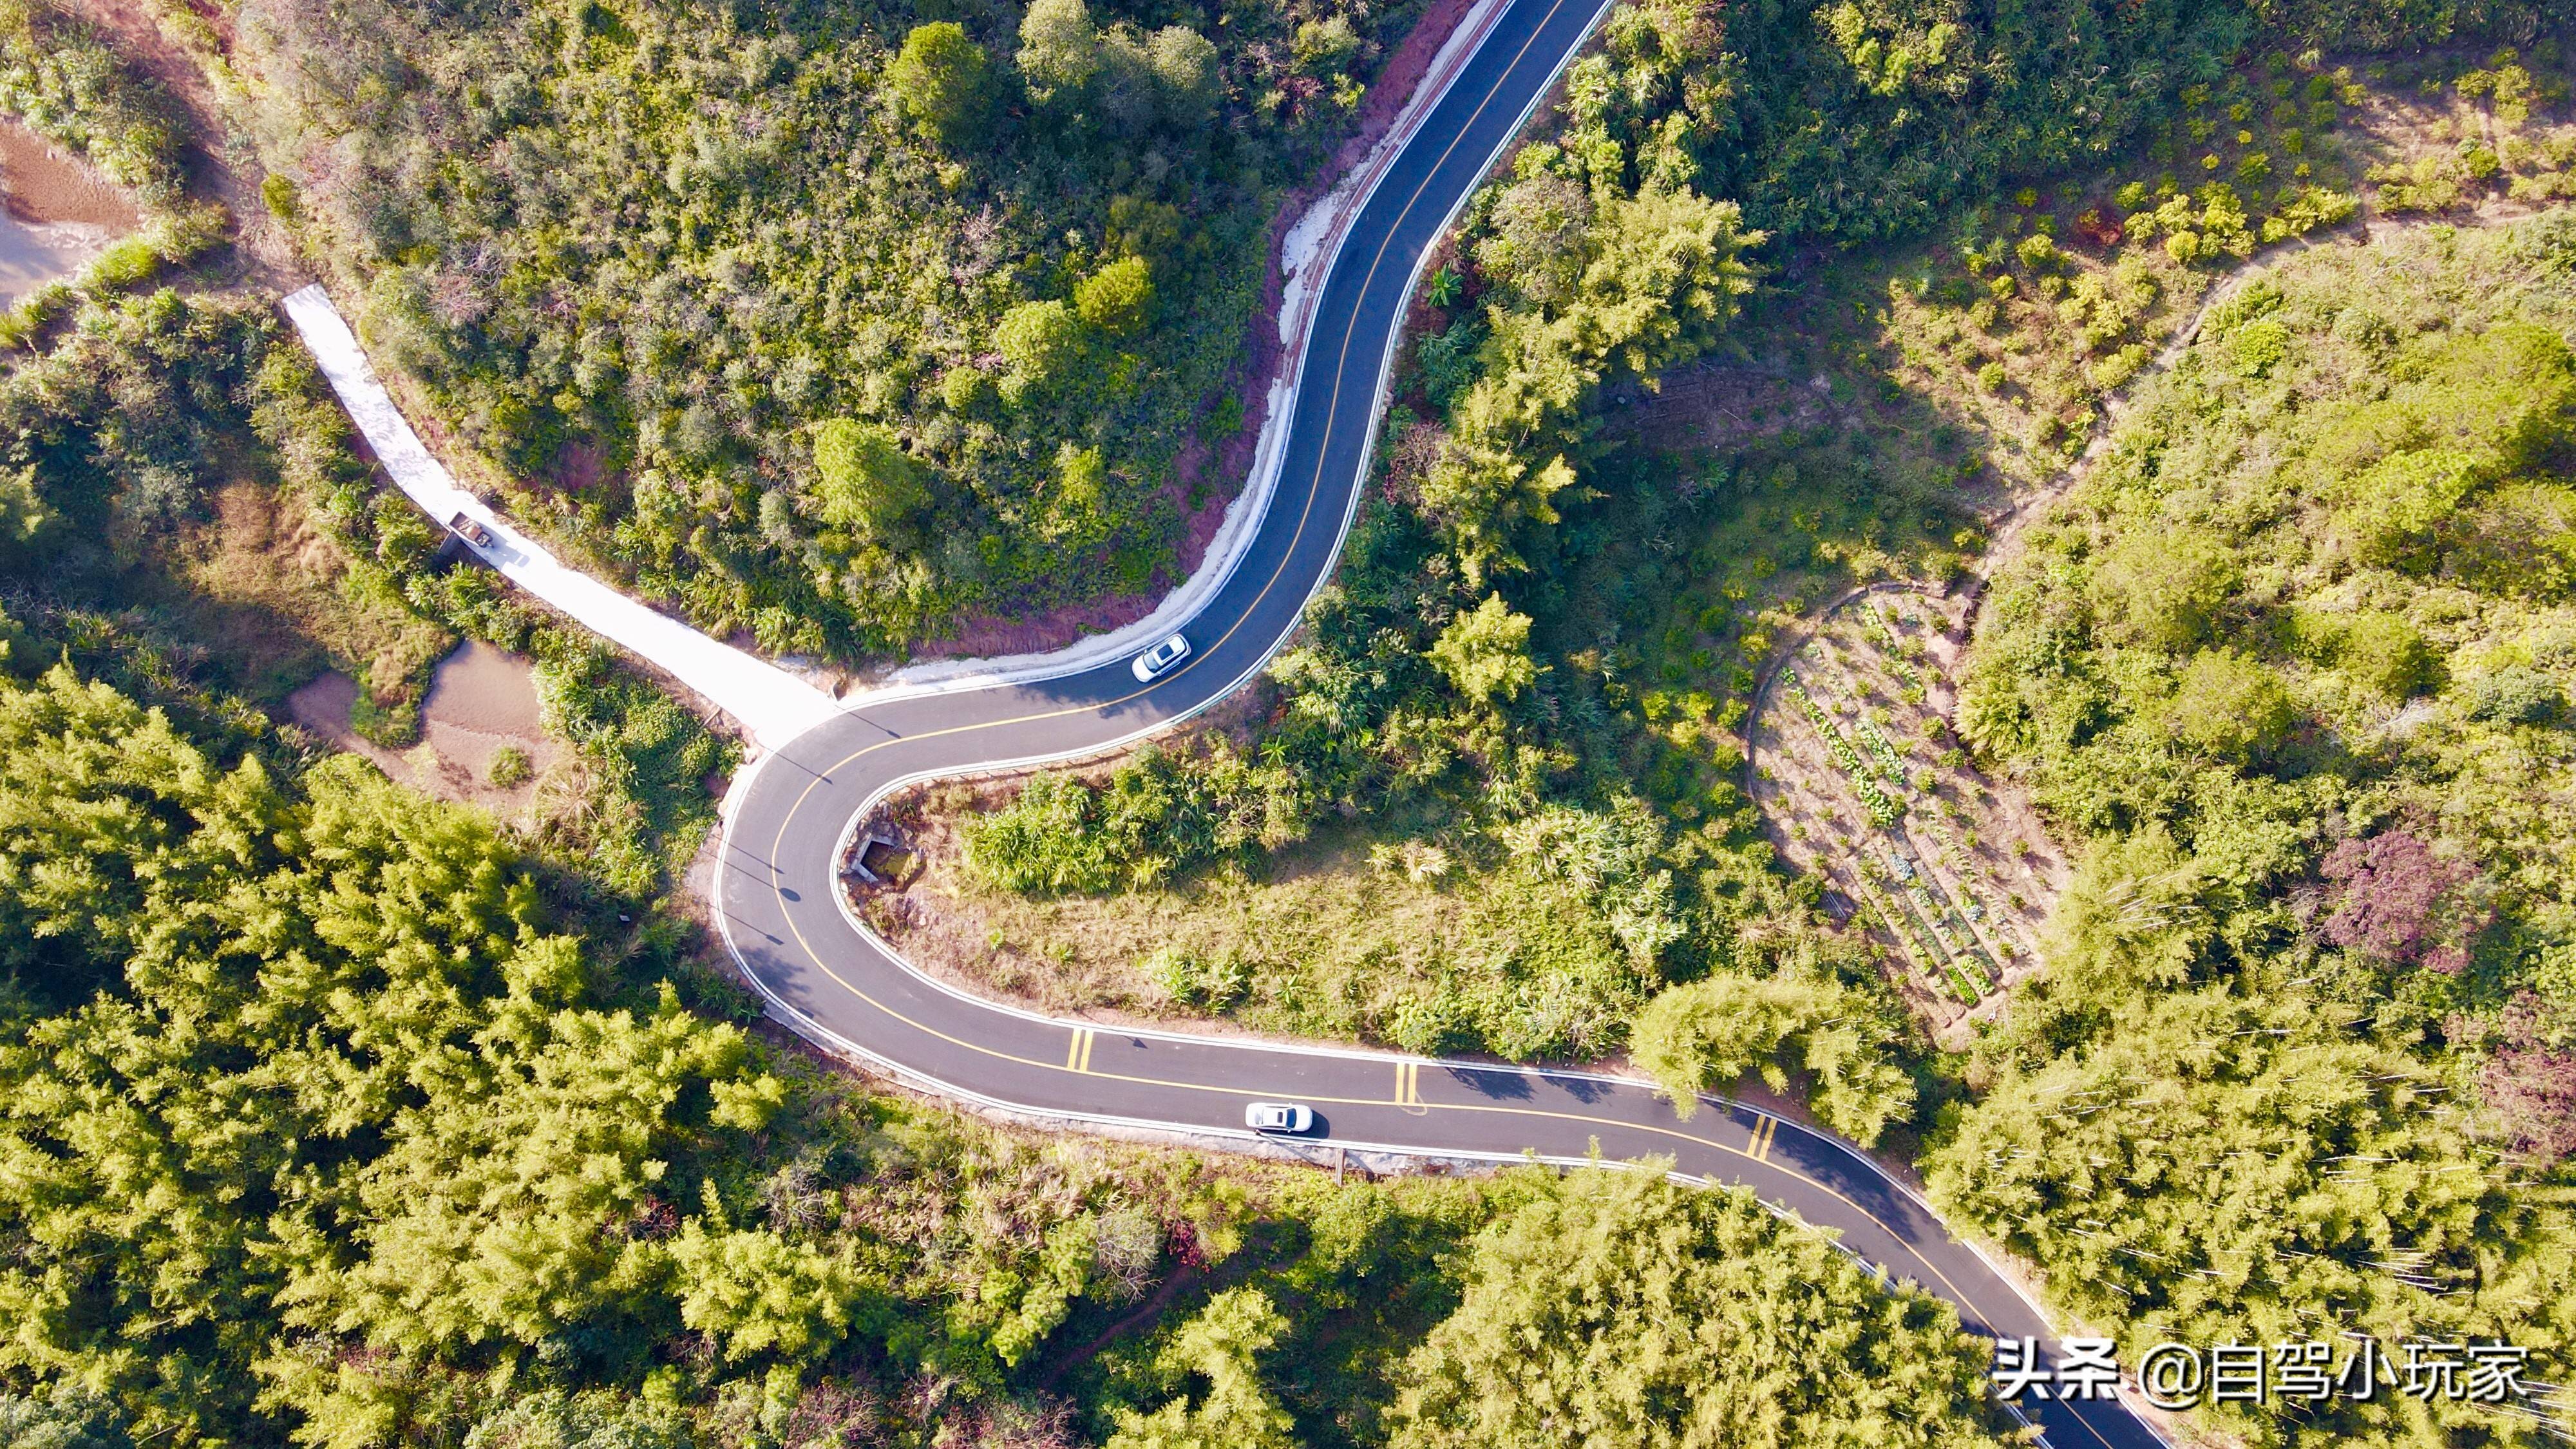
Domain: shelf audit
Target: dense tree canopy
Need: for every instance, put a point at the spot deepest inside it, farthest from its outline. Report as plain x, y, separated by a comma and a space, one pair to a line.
316, 1129
656, 259
2300, 1059
1706, 1035
1615, 1308
638, 253
335, 1077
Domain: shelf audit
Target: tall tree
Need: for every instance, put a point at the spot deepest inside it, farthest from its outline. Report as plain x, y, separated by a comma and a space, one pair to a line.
943, 82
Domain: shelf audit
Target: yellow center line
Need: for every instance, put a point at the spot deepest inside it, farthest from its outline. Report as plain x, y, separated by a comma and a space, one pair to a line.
1342, 366
1078, 1053
1332, 409
1539, 1113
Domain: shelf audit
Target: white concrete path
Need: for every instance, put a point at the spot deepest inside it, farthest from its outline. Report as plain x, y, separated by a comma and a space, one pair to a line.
774, 705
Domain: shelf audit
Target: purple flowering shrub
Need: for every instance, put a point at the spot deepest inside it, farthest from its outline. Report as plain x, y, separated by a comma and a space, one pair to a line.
2531, 1087
2399, 904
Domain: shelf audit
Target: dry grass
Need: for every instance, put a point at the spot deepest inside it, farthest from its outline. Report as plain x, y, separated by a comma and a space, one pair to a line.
1320, 944
275, 599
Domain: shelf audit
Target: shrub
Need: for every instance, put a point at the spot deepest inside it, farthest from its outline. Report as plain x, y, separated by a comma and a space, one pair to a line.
1433, 1024
2397, 902
124, 264
510, 768
2260, 347
862, 477
60, 78
2385, 654
1485, 651
1195, 979
2229, 705
2516, 695
2165, 588
1119, 298
1039, 339
943, 83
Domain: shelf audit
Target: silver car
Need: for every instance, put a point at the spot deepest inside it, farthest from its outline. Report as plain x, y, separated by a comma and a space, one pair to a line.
1278, 1117
1161, 657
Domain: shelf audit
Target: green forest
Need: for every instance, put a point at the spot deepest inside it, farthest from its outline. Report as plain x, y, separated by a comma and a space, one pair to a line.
832, 324
335, 1115
1590, 764
2282, 670
838, 326
2292, 663
325, 1121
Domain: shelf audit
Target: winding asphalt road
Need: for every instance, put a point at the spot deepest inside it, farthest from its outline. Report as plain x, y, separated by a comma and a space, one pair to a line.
838, 984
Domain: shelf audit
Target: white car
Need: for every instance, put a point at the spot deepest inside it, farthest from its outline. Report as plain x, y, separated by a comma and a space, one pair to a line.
1162, 656
1278, 1117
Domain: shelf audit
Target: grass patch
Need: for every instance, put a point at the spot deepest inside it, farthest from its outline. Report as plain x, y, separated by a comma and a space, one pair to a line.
1339, 936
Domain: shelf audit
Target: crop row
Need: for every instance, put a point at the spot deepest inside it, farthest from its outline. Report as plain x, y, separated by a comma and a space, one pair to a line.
1955, 852
1956, 956
1956, 959
1889, 759
1881, 809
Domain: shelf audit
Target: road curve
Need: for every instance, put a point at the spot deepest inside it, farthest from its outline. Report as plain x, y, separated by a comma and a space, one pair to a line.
838, 984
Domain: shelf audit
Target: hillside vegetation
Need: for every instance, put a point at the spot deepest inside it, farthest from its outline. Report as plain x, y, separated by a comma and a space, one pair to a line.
829, 323
325, 1121
60, 78
336, 1116
2293, 664
1518, 706
141, 435
2285, 672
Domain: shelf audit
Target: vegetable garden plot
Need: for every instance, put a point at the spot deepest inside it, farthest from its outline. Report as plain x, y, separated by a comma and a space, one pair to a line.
1863, 785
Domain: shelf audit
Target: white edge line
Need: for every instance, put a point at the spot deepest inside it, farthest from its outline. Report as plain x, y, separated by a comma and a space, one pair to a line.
1377, 413
1270, 458
741, 790
1888, 1279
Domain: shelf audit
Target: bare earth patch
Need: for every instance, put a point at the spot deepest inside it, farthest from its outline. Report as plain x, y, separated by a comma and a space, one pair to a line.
272, 588
481, 702
55, 213
1861, 781
42, 184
